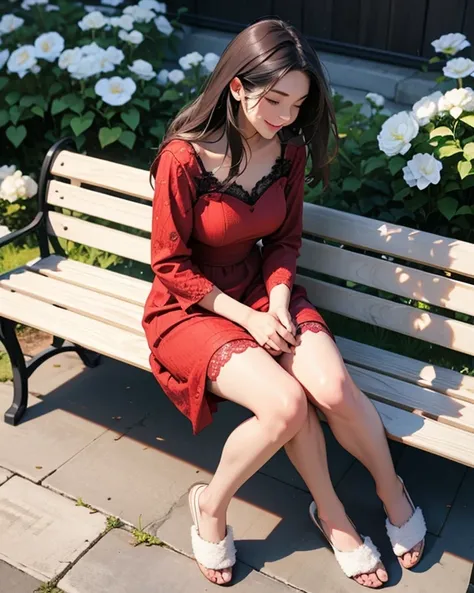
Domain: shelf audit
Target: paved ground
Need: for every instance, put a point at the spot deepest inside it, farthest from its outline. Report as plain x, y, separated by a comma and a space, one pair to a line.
110, 437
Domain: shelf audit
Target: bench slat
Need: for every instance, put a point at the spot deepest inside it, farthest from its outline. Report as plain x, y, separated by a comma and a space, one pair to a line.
393, 239
384, 275
400, 318
102, 173
413, 398
100, 237
101, 205
94, 278
410, 370
90, 333
74, 298
428, 435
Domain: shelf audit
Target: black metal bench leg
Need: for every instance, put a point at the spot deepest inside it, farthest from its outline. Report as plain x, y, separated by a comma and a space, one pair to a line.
89, 358
20, 372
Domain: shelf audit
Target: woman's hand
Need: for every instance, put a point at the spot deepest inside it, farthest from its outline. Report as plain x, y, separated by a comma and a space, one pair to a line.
269, 332
283, 316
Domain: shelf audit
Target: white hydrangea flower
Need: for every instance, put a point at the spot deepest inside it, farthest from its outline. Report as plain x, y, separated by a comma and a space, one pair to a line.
158, 7
143, 69
4, 57
22, 60
375, 99
49, 46
69, 56
6, 170
458, 68
422, 170
140, 15
111, 2
456, 101
51, 8
162, 77
124, 22
91, 49
450, 44
4, 230
190, 60
86, 67
176, 76
397, 133
17, 186
9, 23
93, 20
163, 25
115, 90
426, 108
135, 37
115, 55
210, 61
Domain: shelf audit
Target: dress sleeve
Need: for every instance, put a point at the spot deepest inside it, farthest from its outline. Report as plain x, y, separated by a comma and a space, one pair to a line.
281, 248
171, 230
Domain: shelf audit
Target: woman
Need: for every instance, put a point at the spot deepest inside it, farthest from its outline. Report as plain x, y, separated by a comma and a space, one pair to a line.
224, 319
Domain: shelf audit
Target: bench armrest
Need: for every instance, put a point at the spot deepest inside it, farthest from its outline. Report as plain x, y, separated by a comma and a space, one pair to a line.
29, 228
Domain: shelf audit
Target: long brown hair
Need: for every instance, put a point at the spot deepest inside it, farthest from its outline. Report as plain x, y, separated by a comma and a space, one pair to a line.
260, 56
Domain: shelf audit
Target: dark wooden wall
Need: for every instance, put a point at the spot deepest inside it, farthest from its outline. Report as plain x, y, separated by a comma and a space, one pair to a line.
398, 31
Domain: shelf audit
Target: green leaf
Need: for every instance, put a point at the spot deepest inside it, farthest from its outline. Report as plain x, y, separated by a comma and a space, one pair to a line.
143, 103
452, 186
28, 101
403, 193
464, 210
3, 82
82, 123
15, 114
464, 168
374, 163
396, 164
351, 184
90, 93
12, 97
128, 138
469, 151
77, 105
170, 95
441, 131
434, 60
16, 135
37, 111
109, 135
416, 202
58, 106
449, 150
152, 91
159, 130
448, 207
469, 120
4, 117
54, 89
131, 118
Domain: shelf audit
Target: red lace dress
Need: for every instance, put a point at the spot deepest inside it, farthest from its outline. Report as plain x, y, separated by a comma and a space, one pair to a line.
202, 238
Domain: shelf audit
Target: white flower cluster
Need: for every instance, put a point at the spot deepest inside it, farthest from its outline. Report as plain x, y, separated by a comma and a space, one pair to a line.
14, 185
90, 60
449, 45
187, 62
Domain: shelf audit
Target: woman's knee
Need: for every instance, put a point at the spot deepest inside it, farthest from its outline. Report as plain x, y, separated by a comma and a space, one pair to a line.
288, 410
335, 393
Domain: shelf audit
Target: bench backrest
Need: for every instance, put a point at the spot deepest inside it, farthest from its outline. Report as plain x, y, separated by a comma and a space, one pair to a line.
345, 248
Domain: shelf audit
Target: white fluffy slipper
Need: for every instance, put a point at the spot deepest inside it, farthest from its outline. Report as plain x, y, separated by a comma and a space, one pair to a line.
363, 560
209, 554
405, 538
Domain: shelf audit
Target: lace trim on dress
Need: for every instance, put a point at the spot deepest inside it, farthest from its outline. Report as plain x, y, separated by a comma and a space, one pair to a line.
224, 354
207, 182
313, 326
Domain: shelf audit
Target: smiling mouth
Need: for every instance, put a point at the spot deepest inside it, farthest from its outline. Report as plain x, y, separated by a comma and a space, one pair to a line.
272, 126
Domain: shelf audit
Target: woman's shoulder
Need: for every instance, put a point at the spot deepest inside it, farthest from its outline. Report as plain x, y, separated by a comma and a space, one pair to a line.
183, 152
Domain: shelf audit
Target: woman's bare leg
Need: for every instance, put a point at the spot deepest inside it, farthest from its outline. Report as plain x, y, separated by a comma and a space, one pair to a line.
318, 366
280, 410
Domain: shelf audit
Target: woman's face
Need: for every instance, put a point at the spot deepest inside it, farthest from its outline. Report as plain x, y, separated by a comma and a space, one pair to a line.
279, 107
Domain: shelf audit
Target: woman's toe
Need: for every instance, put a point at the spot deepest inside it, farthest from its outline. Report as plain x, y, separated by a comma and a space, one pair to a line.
227, 575
382, 575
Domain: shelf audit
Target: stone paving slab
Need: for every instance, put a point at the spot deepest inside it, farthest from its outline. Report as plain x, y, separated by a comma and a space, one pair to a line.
42, 532
4, 475
114, 565
15, 581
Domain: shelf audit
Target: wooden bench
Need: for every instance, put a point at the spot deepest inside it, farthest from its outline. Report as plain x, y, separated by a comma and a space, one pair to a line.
94, 310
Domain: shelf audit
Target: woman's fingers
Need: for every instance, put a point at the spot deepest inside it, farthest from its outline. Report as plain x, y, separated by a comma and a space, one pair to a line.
287, 335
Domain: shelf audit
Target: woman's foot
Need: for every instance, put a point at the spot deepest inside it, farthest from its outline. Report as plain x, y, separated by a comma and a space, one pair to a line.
212, 528
342, 535
399, 510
